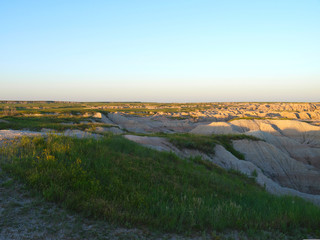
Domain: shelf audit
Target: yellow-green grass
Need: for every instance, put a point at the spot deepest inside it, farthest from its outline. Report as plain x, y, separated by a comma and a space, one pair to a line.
51, 122
125, 183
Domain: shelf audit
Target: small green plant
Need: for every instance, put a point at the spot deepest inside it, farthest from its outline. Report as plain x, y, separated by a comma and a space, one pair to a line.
254, 173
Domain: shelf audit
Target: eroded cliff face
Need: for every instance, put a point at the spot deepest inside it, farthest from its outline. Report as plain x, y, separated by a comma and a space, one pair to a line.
286, 159
229, 111
289, 152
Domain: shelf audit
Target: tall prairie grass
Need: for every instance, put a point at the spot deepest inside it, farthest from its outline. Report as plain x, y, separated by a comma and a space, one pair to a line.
125, 183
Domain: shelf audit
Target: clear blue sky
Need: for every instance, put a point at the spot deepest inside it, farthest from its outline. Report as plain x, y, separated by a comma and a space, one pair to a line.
168, 50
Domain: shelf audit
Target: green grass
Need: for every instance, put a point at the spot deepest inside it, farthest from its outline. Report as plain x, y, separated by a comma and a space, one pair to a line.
123, 182
191, 141
206, 144
53, 122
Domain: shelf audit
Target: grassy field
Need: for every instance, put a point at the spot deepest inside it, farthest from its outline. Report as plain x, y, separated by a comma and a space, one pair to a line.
135, 108
125, 183
59, 123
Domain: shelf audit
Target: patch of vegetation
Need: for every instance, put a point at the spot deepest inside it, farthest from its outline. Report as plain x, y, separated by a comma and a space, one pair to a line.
123, 182
207, 143
192, 141
55, 123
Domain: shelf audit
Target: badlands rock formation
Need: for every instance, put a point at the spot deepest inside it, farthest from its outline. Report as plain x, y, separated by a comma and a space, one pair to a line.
149, 124
222, 111
279, 166
289, 153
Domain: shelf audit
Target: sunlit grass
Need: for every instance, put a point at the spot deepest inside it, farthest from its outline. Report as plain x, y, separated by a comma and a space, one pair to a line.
50, 122
123, 182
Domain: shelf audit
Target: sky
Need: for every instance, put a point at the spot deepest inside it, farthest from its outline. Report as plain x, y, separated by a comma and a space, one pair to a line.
160, 51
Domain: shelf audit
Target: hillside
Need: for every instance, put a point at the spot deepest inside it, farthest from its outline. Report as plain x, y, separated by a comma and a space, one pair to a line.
166, 174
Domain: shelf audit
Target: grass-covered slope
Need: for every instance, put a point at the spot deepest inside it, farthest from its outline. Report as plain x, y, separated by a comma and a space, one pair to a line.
53, 122
206, 143
126, 183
